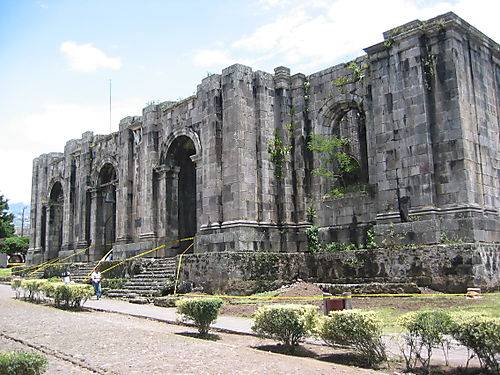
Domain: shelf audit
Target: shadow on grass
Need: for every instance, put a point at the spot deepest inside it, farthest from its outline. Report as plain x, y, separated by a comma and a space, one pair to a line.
201, 336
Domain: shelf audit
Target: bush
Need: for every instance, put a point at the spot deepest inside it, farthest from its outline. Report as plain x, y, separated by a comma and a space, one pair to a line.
22, 363
360, 330
72, 295
203, 311
49, 288
288, 324
481, 335
32, 289
425, 330
15, 284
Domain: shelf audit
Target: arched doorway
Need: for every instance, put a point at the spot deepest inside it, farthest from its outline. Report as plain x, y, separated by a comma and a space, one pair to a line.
180, 194
349, 123
55, 222
106, 209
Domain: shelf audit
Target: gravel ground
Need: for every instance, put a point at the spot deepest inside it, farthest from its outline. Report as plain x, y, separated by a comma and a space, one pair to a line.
105, 343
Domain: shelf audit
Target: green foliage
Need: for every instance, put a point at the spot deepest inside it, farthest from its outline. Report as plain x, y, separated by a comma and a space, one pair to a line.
333, 247
32, 289
15, 284
336, 163
66, 295
311, 214
370, 239
202, 311
481, 335
288, 324
14, 244
72, 295
424, 331
6, 219
22, 363
312, 234
360, 330
278, 152
356, 74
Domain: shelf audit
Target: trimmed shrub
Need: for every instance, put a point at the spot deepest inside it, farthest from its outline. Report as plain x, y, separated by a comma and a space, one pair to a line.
360, 330
425, 330
288, 324
32, 289
15, 284
22, 363
202, 311
481, 335
48, 289
72, 295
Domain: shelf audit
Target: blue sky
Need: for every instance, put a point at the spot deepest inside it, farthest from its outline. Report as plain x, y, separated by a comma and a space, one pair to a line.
56, 56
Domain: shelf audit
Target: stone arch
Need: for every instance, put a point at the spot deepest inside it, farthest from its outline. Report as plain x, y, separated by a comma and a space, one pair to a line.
99, 164
54, 221
174, 187
176, 134
105, 215
347, 119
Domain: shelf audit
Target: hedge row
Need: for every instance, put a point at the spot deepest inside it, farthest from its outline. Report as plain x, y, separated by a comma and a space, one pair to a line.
63, 295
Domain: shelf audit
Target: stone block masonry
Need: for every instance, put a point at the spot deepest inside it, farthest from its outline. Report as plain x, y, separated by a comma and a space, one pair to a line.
231, 166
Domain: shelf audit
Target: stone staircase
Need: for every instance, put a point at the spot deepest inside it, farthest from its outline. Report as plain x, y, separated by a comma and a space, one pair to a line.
79, 271
149, 281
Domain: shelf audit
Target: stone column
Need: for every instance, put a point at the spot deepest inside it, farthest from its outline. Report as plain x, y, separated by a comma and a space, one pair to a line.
94, 246
161, 202
123, 191
172, 185
196, 159
47, 252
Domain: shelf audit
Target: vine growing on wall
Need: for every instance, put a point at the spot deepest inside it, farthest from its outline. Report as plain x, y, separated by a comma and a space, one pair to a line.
278, 152
336, 162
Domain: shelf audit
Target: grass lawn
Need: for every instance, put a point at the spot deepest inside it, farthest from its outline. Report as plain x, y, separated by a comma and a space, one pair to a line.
390, 308
4, 272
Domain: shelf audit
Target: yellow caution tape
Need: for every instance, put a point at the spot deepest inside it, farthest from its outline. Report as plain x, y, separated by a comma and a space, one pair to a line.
147, 252
56, 260
179, 268
380, 295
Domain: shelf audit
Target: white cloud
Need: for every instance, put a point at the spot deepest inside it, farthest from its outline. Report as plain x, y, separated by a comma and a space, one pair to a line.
46, 131
210, 58
87, 58
319, 33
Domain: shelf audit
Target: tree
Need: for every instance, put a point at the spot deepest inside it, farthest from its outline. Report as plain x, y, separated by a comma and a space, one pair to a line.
6, 219
14, 245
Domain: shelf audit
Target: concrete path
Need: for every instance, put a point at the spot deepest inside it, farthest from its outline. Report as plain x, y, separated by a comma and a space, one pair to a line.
166, 314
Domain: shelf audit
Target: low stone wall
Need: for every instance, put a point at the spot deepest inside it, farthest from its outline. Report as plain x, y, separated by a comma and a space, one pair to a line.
447, 268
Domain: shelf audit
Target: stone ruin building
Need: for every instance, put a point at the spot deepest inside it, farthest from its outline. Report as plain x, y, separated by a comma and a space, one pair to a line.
231, 167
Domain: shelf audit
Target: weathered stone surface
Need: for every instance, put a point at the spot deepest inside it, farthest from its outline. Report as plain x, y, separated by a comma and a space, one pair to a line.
450, 268
422, 119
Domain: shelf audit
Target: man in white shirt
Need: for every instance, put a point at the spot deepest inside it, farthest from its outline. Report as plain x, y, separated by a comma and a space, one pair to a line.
95, 278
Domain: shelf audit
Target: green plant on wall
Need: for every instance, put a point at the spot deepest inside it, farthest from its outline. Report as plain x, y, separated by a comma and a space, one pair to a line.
312, 234
356, 74
336, 162
278, 152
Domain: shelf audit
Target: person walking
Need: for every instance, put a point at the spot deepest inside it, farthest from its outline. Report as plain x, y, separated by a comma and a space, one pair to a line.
66, 276
95, 278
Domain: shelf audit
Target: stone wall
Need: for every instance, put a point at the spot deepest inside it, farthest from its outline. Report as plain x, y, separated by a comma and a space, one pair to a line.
446, 268
420, 112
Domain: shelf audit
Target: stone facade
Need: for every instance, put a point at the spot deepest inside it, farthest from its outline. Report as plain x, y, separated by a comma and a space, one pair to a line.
421, 116
446, 268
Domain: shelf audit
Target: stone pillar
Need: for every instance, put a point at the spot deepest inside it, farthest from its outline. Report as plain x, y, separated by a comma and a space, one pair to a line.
47, 252
94, 243
239, 192
172, 186
124, 190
